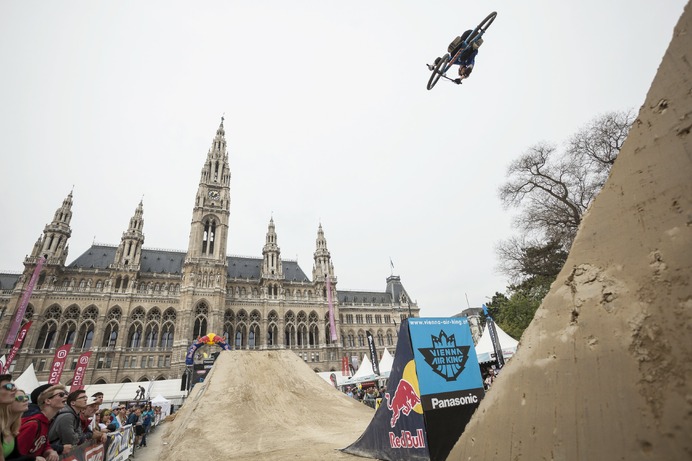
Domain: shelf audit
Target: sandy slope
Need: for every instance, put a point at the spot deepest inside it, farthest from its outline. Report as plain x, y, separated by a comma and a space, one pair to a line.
264, 405
603, 371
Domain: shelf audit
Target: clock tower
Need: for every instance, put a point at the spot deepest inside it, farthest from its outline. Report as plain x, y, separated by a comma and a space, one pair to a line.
205, 267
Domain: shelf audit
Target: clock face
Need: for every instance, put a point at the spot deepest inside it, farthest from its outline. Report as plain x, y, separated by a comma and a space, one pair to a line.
214, 195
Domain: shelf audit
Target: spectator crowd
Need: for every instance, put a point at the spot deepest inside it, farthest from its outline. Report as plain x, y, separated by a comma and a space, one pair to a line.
52, 421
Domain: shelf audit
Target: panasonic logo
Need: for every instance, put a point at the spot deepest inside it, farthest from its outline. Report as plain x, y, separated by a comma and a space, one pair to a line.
455, 402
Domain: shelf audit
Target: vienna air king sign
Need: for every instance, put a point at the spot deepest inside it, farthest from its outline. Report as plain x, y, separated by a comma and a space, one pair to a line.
445, 357
451, 386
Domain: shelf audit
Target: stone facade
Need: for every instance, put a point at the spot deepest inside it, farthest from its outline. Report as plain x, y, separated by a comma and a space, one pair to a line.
139, 309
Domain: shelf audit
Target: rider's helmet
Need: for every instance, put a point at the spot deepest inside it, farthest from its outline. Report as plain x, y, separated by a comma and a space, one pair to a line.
477, 44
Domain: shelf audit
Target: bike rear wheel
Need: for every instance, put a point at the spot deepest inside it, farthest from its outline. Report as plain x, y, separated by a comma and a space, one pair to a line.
437, 72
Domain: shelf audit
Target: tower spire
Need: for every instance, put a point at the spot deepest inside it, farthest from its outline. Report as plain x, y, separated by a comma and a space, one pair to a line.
129, 252
323, 263
53, 244
271, 253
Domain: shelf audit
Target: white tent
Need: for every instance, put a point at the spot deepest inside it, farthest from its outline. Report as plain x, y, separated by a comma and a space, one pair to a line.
364, 370
164, 403
386, 363
485, 350
340, 378
27, 381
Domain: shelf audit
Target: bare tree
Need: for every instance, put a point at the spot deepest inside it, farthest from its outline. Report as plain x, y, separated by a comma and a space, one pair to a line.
600, 141
553, 190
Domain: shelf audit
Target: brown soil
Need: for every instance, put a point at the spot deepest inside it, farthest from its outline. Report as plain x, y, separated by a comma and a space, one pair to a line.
603, 371
264, 405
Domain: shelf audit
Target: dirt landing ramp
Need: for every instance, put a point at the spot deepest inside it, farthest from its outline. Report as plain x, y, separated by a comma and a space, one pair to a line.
262, 405
604, 369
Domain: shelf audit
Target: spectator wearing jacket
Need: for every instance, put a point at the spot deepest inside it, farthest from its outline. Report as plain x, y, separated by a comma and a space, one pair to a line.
33, 434
67, 427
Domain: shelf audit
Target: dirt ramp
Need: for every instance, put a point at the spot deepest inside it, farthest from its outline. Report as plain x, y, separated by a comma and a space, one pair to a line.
604, 369
264, 405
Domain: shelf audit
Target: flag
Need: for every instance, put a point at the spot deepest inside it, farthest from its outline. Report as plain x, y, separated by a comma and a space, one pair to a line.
373, 353
15, 348
58, 363
391, 263
332, 322
80, 371
21, 309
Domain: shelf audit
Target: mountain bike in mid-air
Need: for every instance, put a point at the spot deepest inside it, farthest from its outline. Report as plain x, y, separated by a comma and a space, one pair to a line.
459, 50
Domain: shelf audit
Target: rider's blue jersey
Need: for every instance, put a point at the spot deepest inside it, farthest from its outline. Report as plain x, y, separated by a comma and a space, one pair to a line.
467, 61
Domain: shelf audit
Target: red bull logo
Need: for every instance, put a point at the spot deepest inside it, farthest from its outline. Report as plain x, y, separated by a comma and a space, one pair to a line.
403, 401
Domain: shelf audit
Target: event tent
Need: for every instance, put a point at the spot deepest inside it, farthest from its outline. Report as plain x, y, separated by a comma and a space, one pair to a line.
386, 363
164, 403
485, 350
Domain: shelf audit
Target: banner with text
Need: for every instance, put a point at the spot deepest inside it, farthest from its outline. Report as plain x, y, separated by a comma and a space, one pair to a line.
80, 371
15, 348
451, 386
58, 363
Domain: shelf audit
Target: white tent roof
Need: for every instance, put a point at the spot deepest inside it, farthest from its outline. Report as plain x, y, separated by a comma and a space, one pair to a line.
365, 368
340, 379
485, 350
123, 392
386, 363
27, 381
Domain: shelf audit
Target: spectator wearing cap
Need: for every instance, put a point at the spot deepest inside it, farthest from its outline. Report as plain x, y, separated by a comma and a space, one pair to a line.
33, 434
86, 416
66, 427
33, 403
99, 400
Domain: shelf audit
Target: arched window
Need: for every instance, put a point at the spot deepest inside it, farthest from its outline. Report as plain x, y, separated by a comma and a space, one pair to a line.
151, 335
167, 333
135, 335
110, 335
47, 335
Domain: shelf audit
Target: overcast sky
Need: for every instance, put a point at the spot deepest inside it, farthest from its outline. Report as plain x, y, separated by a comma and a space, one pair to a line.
327, 120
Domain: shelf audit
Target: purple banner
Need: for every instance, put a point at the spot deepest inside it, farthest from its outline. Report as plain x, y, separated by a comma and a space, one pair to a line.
332, 322
21, 309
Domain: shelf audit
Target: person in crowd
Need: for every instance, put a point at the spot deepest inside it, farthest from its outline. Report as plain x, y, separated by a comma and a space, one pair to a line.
104, 420
33, 434
135, 419
8, 390
86, 416
33, 405
147, 419
98, 396
10, 422
67, 427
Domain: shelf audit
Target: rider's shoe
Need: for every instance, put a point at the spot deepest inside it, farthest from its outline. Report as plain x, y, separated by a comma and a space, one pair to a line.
457, 81
430, 67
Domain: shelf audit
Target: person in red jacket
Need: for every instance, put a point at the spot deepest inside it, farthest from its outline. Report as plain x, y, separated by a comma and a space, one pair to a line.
33, 434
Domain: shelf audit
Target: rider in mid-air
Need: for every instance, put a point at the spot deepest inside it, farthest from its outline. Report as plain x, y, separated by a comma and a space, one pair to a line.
467, 58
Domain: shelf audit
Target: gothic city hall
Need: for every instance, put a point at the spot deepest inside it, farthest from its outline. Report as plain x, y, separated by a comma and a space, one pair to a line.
138, 309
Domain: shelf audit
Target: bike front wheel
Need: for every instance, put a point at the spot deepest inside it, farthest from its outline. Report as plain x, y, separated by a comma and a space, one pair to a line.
438, 71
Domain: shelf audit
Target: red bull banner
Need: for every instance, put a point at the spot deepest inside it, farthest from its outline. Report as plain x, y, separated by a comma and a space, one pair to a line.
434, 387
208, 339
15, 348
23, 303
80, 371
397, 431
58, 363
